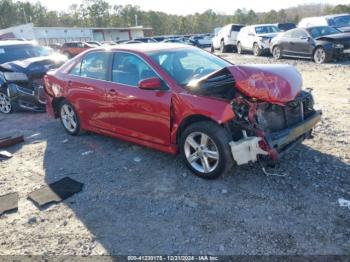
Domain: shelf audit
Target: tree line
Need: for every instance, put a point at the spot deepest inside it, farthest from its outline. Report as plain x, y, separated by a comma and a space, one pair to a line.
99, 13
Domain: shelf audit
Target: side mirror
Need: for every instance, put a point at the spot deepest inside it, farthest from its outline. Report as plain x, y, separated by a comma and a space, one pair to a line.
152, 83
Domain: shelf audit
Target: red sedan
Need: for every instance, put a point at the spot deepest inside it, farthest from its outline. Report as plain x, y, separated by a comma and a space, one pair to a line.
178, 98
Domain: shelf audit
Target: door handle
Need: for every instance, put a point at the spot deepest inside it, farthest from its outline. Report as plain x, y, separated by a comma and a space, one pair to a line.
112, 92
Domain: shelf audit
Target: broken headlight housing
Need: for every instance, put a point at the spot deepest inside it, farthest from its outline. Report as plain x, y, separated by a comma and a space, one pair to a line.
338, 46
12, 77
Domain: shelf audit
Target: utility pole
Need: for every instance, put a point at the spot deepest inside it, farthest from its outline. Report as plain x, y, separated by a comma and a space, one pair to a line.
25, 16
136, 23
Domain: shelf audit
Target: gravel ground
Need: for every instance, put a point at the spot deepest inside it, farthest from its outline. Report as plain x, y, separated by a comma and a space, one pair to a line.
139, 201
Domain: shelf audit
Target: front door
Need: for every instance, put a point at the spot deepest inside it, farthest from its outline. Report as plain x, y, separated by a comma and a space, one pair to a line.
134, 112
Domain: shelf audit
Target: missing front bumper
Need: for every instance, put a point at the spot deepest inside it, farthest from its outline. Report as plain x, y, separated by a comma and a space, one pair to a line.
279, 140
28, 99
248, 149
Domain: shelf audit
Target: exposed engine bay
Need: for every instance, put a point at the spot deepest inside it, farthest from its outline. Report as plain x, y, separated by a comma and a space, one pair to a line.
272, 112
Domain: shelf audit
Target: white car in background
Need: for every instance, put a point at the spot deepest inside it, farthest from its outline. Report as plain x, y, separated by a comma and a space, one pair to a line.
226, 37
256, 38
338, 21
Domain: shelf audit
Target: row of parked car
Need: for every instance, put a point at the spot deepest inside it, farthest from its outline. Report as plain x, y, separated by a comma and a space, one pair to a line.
319, 38
71, 49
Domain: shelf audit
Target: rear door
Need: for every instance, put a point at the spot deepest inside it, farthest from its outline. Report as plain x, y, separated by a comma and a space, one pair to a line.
134, 112
249, 38
87, 88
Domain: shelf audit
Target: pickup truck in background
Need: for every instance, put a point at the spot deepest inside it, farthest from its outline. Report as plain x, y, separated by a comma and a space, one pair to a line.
226, 38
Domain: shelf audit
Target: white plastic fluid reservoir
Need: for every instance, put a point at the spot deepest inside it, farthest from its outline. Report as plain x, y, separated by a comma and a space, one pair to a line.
246, 149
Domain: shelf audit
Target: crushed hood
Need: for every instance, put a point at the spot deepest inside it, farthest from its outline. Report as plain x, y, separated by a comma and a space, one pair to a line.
338, 37
277, 84
344, 28
35, 66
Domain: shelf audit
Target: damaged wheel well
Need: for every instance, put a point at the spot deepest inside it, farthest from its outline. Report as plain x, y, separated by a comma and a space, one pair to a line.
190, 120
56, 103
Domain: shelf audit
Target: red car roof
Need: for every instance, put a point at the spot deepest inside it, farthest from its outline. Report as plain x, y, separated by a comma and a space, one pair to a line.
147, 47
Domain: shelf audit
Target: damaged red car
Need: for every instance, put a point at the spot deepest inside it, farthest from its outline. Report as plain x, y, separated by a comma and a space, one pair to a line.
178, 98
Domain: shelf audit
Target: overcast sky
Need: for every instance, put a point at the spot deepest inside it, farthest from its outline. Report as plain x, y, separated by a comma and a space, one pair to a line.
184, 7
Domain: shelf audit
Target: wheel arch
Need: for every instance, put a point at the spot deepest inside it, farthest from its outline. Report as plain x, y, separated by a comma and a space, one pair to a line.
189, 120
56, 104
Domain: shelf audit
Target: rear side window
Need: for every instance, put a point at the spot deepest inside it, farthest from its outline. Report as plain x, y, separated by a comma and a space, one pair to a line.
236, 28
94, 65
298, 34
129, 69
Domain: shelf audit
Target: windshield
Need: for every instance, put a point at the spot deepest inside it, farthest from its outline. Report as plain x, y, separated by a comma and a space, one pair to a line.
21, 52
316, 32
186, 64
340, 21
266, 29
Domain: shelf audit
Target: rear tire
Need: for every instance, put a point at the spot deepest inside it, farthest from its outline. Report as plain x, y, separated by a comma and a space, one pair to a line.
69, 118
223, 48
239, 48
277, 53
205, 149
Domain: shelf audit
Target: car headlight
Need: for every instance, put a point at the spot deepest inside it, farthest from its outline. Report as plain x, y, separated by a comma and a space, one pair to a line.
12, 76
338, 46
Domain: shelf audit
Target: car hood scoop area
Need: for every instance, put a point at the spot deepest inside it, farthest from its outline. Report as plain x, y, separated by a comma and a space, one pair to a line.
276, 84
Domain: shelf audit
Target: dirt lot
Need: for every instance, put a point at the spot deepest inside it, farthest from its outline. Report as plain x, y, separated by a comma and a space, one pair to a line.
139, 201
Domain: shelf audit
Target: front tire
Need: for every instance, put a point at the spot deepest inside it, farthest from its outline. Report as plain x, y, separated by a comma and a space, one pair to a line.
256, 50
223, 48
205, 149
6, 106
277, 53
69, 118
320, 55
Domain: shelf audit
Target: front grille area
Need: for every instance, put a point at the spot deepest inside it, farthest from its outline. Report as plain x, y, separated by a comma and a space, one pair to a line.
274, 118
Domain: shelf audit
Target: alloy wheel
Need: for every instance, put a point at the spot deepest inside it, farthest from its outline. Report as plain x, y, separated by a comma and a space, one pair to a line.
320, 55
276, 52
222, 47
5, 104
201, 152
239, 48
256, 50
69, 118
